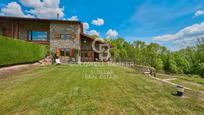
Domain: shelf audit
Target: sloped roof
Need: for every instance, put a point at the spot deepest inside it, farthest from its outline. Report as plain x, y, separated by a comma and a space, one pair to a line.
92, 38
38, 19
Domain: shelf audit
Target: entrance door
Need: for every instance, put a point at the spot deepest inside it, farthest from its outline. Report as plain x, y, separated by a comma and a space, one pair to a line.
96, 56
58, 53
90, 56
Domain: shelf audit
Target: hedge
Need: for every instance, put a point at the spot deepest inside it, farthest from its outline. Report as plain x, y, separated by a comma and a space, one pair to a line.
13, 51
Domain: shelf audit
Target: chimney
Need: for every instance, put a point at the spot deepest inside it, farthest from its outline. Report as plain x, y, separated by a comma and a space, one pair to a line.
58, 16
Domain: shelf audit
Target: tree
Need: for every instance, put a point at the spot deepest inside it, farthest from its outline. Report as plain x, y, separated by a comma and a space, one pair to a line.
186, 61
172, 66
200, 69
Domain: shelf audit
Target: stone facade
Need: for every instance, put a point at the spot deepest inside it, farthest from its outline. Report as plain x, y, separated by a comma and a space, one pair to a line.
73, 41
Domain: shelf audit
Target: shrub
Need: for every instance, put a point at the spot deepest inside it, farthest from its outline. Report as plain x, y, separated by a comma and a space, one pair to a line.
200, 69
172, 66
14, 51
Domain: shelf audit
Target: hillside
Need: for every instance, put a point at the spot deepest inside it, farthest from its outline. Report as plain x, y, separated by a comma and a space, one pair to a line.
17, 51
74, 89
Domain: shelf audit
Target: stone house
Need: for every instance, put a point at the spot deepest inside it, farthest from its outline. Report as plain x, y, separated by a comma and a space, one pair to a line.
66, 39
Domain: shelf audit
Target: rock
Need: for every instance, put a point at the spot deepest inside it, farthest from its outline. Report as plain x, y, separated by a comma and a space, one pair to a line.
46, 61
149, 71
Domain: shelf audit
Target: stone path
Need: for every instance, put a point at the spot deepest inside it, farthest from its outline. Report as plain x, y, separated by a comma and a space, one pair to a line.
6, 71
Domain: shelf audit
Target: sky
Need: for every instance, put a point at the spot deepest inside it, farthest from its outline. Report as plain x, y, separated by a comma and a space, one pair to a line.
175, 24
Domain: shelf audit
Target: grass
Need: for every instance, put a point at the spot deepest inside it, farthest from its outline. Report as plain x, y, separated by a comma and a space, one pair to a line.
55, 90
13, 51
196, 79
192, 85
194, 82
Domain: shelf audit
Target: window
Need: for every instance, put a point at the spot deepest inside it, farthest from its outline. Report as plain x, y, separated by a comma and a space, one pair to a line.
65, 36
84, 54
62, 52
38, 36
67, 52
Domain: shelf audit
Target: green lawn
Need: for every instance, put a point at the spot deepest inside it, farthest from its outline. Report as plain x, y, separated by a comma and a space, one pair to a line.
103, 90
194, 82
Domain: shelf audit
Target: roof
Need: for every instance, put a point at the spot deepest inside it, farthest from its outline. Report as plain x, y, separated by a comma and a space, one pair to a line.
92, 38
38, 19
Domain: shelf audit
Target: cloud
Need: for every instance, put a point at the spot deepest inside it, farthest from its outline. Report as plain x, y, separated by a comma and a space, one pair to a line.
31, 3
85, 26
111, 33
44, 9
98, 22
14, 9
199, 13
93, 32
191, 32
73, 18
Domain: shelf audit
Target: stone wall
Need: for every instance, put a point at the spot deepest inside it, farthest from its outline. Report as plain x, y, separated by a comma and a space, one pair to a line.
73, 30
64, 59
143, 69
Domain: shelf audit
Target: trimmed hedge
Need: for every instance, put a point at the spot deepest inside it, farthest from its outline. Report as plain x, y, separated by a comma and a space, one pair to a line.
14, 51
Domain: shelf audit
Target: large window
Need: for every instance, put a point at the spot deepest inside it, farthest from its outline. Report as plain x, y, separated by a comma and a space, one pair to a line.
38, 36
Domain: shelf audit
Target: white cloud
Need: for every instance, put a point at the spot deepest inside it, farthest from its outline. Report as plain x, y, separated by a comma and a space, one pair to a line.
13, 9
85, 26
31, 3
73, 18
181, 44
191, 32
111, 33
44, 9
98, 22
199, 13
36, 8
183, 38
93, 32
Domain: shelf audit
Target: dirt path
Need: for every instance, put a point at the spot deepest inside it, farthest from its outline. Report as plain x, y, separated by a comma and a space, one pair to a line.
7, 71
168, 81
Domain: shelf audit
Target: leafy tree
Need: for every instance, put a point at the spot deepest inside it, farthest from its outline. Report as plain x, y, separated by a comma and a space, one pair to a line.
159, 64
172, 66
200, 69
188, 61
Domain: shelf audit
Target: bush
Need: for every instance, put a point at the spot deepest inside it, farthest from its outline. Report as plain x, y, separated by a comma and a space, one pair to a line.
159, 64
172, 66
14, 51
200, 69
